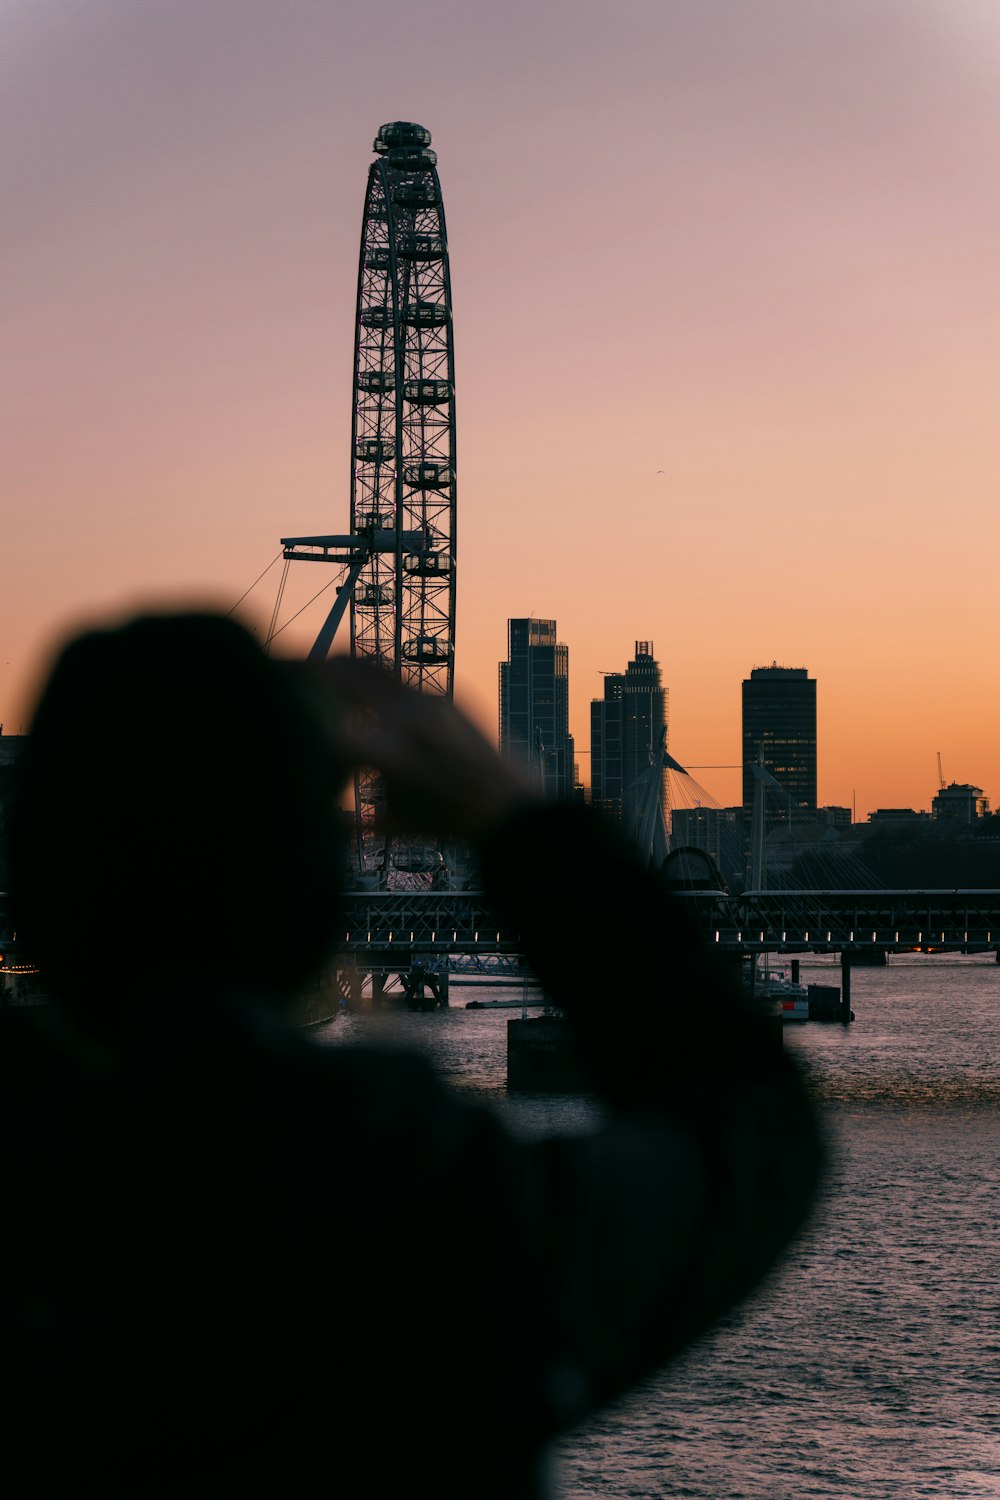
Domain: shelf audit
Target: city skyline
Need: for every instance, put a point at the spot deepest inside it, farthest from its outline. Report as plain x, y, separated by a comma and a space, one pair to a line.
786, 450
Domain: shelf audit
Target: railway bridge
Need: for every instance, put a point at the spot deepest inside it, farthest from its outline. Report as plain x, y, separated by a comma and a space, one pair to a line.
455, 932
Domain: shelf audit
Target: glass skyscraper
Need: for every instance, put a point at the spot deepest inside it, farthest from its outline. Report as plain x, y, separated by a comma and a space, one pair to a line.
779, 731
625, 729
534, 705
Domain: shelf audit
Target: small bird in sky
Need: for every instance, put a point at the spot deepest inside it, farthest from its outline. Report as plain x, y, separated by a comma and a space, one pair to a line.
661, 471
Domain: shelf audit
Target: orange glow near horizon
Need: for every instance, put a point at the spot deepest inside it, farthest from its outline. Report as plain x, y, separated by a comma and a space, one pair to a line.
753, 248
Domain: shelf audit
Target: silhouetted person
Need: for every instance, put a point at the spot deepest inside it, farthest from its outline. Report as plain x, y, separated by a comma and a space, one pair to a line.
238, 1263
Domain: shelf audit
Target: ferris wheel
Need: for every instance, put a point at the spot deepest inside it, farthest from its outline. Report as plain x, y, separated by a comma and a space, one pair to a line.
403, 434
400, 554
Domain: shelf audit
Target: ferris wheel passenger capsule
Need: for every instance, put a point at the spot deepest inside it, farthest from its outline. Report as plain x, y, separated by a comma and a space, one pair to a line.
375, 449
426, 648
427, 476
420, 247
406, 159
425, 314
377, 382
398, 134
415, 193
427, 564
377, 316
427, 392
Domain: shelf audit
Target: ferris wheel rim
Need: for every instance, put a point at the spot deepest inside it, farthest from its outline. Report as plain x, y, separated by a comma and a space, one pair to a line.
403, 413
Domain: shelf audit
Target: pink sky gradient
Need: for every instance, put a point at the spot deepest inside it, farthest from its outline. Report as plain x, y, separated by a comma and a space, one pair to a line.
754, 245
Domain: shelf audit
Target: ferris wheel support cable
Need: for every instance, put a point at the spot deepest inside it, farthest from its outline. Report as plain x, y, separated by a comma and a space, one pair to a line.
277, 606
250, 590
292, 618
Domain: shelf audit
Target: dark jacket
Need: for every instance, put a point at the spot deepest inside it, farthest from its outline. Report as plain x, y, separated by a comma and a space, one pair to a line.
239, 1263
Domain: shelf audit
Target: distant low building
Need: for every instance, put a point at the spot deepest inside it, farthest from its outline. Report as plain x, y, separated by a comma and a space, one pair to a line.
835, 817
960, 803
883, 815
716, 830
953, 847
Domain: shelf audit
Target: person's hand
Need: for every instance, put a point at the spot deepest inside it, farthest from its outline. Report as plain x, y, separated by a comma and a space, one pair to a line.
440, 774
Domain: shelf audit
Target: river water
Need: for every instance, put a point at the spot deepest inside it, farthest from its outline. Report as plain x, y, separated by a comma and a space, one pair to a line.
868, 1368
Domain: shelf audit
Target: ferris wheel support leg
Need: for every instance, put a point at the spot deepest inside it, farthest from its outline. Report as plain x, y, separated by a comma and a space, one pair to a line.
321, 646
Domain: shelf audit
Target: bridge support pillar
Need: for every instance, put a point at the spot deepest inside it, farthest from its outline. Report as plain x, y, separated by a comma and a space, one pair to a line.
846, 1014
349, 987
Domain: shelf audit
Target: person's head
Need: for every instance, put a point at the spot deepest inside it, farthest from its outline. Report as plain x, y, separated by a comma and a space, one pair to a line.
175, 816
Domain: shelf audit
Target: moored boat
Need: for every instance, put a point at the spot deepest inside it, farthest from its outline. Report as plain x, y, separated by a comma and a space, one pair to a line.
785, 996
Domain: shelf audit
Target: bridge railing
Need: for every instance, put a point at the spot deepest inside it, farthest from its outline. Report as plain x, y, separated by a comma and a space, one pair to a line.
432, 921
851, 919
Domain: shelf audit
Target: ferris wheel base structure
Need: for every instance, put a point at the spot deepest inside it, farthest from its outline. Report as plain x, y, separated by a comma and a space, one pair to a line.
399, 556
351, 553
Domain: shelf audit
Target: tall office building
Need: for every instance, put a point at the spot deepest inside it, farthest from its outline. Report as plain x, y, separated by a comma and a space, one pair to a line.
625, 729
606, 746
779, 729
644, 721
534, 704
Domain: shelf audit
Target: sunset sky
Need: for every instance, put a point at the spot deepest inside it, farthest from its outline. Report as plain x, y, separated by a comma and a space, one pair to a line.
752, 243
